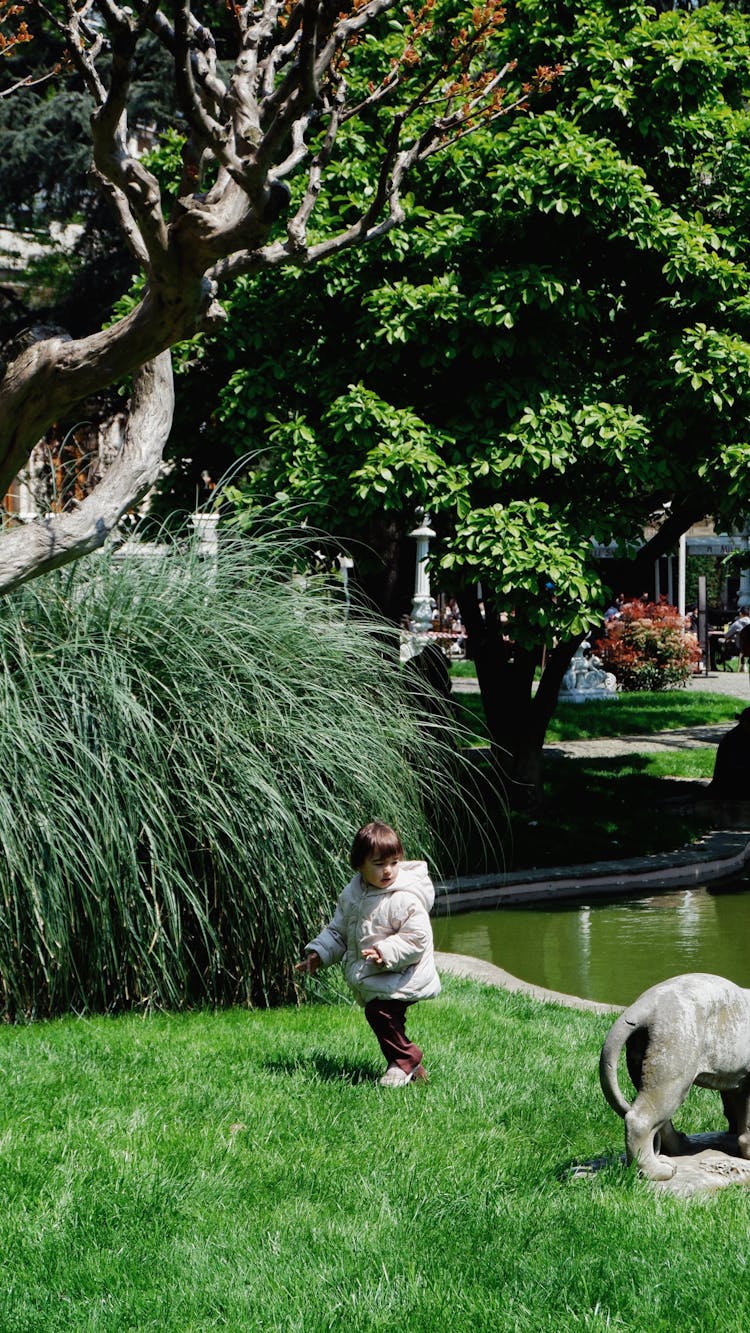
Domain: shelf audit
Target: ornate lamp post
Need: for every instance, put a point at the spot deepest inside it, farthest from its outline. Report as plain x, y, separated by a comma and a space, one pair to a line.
345, 564
421, 607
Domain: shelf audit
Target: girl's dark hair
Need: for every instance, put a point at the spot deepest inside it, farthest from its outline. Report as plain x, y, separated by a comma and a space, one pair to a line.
375, 840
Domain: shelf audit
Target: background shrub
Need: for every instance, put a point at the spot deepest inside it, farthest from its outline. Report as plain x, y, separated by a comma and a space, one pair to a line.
187, 749
648, 647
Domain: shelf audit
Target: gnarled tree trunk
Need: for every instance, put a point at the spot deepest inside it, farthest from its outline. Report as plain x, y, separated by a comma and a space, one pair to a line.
29, 549
276, 116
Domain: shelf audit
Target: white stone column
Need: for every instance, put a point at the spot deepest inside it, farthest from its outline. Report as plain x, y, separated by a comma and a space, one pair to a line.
421, 607
206, 526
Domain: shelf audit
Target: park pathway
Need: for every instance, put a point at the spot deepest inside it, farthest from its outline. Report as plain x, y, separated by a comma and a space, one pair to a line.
614, 747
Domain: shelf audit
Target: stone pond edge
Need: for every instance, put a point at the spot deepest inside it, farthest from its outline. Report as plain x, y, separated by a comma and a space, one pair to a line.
476, 969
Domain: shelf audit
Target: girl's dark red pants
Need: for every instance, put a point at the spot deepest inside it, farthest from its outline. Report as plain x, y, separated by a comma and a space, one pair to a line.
387, 1018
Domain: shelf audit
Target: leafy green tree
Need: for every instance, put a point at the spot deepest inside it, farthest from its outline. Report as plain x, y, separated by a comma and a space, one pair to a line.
555, 352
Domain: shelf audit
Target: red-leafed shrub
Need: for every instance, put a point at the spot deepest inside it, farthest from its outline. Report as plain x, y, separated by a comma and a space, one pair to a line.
648, 647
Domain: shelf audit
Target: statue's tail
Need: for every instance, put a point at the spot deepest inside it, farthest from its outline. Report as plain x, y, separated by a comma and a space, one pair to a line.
618, 1034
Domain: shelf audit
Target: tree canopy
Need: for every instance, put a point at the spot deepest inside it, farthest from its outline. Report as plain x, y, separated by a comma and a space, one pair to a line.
555, 352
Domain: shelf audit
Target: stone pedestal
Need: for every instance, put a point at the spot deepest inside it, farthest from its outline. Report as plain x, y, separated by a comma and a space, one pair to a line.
711, 1163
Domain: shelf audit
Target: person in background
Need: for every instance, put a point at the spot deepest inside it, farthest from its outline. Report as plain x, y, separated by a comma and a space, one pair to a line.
732, 635
731, 779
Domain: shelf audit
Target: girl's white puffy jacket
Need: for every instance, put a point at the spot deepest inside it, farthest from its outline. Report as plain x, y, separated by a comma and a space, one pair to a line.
395, 921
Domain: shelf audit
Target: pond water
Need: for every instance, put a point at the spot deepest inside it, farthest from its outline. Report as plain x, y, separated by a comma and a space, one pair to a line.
611, 951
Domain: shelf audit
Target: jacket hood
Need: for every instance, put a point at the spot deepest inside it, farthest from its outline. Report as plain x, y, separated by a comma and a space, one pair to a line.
414, 877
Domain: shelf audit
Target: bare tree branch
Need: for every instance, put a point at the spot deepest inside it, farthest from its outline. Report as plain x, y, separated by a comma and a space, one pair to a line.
203, 58
204, 126
111, 155
132, 190
277, 117
29, 83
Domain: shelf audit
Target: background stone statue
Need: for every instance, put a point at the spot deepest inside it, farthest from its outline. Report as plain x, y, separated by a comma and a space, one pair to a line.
586, 678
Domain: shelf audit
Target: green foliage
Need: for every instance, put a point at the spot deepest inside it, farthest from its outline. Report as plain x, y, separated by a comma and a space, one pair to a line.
714, 571
556, 359
536, 566
402, 458
46, 177
45, 156
45, 136
187, 749
165, 161
52, 275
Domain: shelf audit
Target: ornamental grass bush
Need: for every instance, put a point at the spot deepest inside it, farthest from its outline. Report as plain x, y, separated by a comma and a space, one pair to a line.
187, 749
648, 647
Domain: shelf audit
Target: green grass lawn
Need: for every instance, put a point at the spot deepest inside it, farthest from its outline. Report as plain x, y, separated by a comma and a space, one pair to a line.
463, 670
642, 714
629, 715
243, 1171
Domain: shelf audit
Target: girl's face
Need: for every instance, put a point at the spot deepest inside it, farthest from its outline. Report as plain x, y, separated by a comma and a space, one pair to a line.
380, 871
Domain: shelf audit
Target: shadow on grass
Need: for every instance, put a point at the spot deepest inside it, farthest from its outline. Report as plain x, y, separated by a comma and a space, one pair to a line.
601, 809
324, 1069
586, 1170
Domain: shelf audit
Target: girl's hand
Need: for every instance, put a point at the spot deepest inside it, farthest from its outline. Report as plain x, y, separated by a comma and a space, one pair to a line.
373, 955
309, 964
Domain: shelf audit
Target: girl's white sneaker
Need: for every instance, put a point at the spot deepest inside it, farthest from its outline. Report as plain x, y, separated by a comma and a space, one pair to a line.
395, 1077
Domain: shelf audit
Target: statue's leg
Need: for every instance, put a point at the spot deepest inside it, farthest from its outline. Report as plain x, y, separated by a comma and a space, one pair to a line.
673, 1141
737, 1111
651, 1111
731, 1108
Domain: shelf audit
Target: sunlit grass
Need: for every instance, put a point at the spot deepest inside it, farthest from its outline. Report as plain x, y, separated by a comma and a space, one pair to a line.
243, 1170
463, 670
627, 715
692, 763
642, 714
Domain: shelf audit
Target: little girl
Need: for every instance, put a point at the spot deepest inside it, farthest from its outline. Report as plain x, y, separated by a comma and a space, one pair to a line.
381, 929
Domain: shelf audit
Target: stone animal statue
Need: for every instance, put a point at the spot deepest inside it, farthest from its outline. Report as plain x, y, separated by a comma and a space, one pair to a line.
694, 1028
